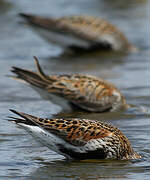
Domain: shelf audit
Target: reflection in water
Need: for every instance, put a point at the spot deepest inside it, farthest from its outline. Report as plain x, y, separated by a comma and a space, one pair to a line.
97, 54
109, 116
87, 170
94, 63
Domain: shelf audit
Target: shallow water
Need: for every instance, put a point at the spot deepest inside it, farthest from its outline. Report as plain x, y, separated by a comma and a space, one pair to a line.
20, 156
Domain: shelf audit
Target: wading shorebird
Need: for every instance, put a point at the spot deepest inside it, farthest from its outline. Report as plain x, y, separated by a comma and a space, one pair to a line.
83, 91
78, 138
80, 32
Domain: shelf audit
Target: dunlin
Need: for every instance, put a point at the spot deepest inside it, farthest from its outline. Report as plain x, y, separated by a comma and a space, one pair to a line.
78, 138
85, 32
84, 91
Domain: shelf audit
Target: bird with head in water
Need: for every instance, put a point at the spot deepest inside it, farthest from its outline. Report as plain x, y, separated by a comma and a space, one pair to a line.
78, 138
80, 32
86, 92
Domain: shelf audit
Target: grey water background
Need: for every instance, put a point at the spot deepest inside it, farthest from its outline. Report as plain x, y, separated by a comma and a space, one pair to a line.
21, 157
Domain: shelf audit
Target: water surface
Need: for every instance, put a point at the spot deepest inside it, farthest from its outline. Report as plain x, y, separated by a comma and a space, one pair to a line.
21, 157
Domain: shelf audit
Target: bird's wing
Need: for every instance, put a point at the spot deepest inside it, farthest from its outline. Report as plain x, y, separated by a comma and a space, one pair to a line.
74, 131
78, 89
92, 29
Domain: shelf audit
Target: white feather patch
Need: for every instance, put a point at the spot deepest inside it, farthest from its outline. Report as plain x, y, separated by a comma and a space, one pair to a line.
61, 39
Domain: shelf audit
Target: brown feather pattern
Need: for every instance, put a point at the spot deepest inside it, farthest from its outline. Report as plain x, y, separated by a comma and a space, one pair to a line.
89, 28
78, 132
85, 91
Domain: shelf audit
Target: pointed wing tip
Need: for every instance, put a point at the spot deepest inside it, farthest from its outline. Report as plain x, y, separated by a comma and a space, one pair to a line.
14, 69
39, 67
14, 111
36, 60
23, 118
11, 119
26, 16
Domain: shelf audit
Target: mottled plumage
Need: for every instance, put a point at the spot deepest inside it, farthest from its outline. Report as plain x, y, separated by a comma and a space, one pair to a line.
85, 32
87, 92
78, 138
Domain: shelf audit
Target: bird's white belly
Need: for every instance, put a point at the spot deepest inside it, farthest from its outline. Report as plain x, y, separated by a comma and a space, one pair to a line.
53, 98
61, 39
49, 140
55, 142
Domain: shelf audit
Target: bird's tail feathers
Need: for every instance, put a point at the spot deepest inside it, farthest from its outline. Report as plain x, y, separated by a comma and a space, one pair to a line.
38, 79
25, 118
